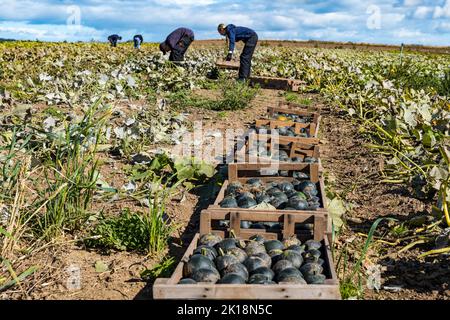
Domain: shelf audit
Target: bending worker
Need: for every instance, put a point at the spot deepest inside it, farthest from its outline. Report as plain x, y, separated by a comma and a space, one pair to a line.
249, 37
177, 43
113, 39
138, 40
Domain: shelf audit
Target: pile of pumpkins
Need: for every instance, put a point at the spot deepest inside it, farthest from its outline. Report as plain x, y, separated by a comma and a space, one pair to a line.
294, 195
255, 261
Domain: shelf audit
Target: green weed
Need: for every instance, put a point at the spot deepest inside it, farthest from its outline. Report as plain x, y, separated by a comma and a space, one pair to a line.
161, 270
296, 98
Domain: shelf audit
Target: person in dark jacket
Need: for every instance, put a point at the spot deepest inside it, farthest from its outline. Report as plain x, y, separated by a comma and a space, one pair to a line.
177, 43
138, 40
113, 39
249, 37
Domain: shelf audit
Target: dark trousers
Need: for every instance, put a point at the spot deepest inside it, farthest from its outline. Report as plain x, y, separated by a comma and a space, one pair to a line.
177, 54
246, 57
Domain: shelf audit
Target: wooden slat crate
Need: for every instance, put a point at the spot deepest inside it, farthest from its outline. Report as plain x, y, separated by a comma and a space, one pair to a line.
230, 65
294, 150
168, 288
288, 109
297, 106
244, 171
286, 140
251, 140
277, 83
311, 128
305, 225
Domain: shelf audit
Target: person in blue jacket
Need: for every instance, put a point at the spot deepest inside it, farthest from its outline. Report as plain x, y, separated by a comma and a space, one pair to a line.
138, 40
177, 44
249, 37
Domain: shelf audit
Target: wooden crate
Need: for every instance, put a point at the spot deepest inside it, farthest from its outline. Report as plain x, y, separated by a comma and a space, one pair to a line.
294, 150
286, 140
312, 128
288, 109
244, 171
230, 65
297, 106
305, 224
169, 288
276, 83
292, 223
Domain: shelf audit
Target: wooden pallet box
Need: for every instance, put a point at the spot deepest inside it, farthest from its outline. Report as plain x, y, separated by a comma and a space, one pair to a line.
230, 65
311, 128
242, 172
277, 83
289, 109
168, 288
303, 107
246, 149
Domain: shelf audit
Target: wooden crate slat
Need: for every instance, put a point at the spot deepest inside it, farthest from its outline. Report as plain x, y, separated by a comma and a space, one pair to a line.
294, 149
162, 290
288, 218
274, 124
285, 139
235, 168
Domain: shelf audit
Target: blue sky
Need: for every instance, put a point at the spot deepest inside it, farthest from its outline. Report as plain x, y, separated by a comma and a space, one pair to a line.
378, 21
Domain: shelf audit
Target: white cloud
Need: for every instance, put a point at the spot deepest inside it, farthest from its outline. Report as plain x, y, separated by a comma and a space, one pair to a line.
423, 12
412, 3
47, 32
330, 34
405, 33
442, 12
284, 22
185, 2
312, 19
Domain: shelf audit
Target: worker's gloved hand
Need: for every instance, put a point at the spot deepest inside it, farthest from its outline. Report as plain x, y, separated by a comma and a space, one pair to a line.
229, 56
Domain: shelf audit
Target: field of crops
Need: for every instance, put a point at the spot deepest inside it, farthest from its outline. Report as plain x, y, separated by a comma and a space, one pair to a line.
90, 187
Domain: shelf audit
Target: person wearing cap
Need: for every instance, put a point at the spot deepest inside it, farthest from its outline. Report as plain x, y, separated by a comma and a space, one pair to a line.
138, 40
177, 43
113, 39
249, 37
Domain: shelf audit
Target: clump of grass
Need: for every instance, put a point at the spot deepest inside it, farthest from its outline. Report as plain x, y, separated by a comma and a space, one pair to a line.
125, 232
70, 175
234, 96
296, 98
147, 231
